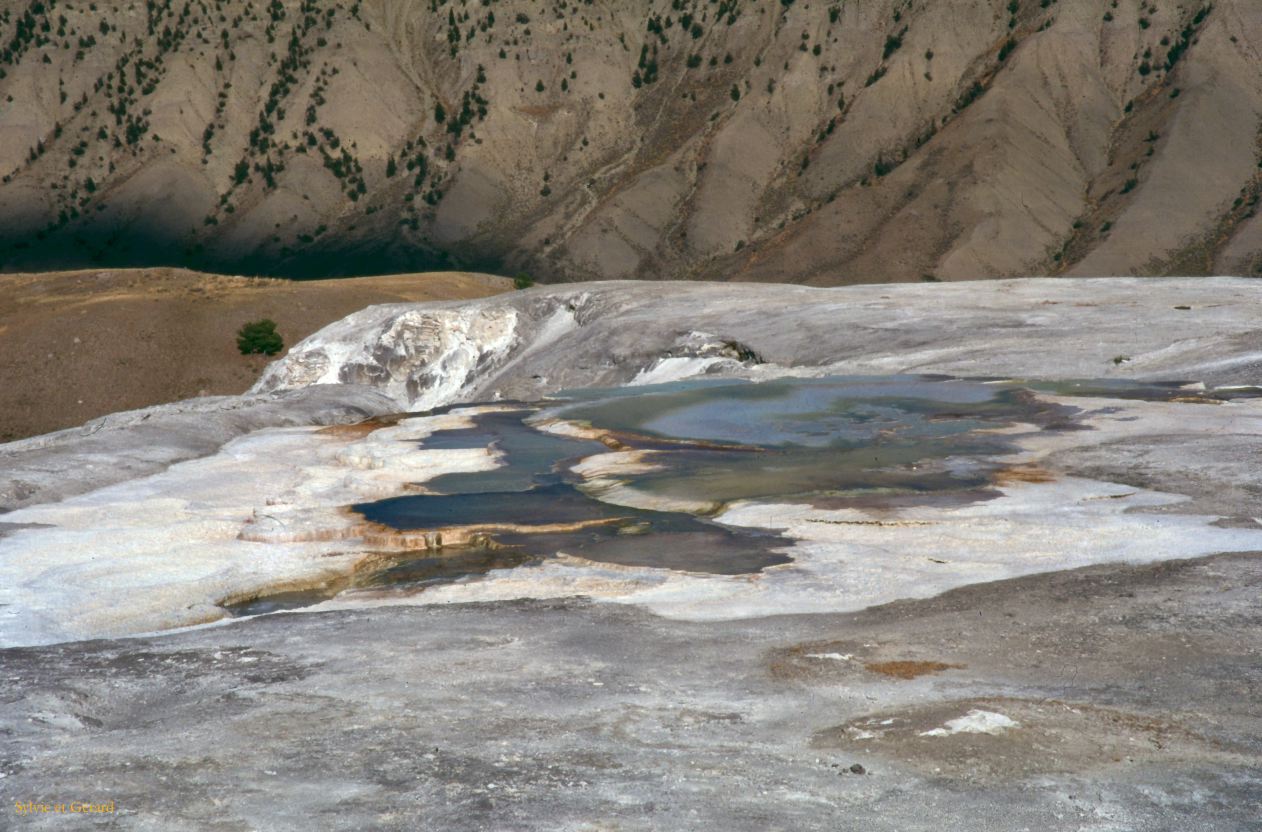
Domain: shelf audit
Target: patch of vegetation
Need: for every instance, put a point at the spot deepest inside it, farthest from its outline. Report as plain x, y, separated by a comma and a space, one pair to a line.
259, 338
877, 75
893, 43
646, 68
1185, 37
974, 92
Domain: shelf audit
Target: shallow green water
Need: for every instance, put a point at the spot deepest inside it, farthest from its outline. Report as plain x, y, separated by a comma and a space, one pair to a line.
716, 442
799, 438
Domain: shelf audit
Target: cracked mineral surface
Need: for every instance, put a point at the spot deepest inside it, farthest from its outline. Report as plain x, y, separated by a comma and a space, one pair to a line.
1048, 622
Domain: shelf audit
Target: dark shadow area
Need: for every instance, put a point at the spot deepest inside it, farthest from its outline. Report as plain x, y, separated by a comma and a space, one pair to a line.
87, 244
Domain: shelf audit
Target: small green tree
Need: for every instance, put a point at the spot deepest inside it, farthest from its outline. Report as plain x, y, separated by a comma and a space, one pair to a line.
523, 281
259, 338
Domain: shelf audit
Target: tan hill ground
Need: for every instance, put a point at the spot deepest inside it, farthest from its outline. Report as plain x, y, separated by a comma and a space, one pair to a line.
78, 345
821, 141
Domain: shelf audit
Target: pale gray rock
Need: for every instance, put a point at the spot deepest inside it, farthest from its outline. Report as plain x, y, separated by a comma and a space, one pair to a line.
1136, 689
136, 443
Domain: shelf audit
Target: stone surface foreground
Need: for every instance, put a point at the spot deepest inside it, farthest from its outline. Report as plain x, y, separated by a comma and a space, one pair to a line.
1080, 652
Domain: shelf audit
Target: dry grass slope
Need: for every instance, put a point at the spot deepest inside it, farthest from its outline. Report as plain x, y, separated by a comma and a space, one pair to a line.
78, 345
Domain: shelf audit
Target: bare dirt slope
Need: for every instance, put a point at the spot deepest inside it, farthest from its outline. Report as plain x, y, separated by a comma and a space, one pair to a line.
820, 141
78, 345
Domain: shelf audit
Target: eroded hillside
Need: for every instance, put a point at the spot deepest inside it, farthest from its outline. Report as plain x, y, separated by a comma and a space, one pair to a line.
828, 141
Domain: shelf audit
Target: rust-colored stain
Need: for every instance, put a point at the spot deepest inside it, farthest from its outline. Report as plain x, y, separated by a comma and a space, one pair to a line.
795, 663
1023, 473
359, 429
1195, 400
910, 669
383, 538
